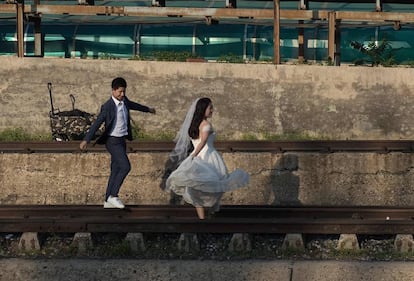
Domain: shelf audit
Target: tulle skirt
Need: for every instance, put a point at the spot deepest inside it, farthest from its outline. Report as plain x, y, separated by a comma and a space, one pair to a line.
202, 183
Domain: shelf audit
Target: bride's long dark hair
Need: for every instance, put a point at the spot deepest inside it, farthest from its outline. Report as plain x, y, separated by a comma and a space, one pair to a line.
198, 117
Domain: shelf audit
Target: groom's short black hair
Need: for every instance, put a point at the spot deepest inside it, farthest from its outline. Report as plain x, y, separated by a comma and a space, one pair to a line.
118, 82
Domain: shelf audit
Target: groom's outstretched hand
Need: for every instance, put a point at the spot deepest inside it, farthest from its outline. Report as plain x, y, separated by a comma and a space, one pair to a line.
152, 110
83, 145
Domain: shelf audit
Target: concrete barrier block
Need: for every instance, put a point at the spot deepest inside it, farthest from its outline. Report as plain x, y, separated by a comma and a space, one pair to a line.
29, 241
403, 243
348, 242
135, 242
188, 242
240, 242
83, 242
293, 241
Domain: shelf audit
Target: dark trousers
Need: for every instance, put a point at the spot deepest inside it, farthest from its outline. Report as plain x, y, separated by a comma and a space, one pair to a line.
120, 165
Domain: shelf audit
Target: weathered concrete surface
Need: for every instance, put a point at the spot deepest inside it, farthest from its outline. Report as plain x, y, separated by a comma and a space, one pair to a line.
336, 102
189, 270
339, 179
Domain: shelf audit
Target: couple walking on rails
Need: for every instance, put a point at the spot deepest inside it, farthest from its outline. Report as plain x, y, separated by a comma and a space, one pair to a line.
201, 177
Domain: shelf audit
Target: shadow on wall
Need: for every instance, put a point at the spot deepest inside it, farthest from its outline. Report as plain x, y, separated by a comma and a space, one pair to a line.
284, 183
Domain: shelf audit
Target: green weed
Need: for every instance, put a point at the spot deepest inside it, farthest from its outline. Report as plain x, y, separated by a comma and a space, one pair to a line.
267, 136
19, 134
378, 53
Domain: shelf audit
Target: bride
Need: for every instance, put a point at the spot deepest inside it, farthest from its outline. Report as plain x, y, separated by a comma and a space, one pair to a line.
202, 177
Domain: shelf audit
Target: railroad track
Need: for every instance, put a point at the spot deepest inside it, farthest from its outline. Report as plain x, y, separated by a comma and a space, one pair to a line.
381, 146
230, 219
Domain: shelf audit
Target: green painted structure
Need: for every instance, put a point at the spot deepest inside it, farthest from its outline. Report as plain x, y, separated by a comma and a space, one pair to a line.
249, 40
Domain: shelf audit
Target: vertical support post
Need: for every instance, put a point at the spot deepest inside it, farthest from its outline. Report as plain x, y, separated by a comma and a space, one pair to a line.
334, 39
303, 5
68, 47
20, 28
231, 3
337, 54
245, 42
137, 45
331, 36
38, 38
255, 52
73, 43
276, 32
301, 42
378, 5
194, 41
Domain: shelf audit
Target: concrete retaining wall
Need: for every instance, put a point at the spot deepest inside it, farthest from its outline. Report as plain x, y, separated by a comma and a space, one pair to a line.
339, 179
335, 102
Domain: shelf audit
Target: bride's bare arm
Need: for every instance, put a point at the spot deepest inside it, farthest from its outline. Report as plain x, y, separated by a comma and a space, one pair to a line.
203, 135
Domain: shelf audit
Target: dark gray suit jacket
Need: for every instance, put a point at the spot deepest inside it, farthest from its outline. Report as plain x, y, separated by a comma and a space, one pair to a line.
107, 115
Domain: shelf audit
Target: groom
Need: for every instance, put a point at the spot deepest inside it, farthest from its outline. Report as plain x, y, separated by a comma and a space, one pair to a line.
115, 114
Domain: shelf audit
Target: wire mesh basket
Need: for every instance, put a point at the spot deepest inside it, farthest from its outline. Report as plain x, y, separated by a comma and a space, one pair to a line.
69, 125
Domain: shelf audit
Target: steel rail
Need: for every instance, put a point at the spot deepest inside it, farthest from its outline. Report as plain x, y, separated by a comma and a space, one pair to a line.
230, 219
381, 146
178, 211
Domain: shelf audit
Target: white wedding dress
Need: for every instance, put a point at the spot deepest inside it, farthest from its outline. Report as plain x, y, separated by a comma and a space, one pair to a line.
202, 180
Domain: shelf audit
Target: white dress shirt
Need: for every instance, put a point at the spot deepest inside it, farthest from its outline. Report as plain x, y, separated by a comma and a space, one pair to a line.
120, 129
